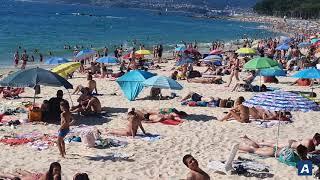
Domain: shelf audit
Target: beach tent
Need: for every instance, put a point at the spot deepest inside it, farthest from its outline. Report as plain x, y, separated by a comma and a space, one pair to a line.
131, 83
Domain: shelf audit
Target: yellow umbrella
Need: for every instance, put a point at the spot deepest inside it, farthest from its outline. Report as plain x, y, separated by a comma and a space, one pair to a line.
246, 51
143, 52
66, 68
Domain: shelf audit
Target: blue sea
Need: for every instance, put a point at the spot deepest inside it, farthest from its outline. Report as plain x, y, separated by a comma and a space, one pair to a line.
48, 27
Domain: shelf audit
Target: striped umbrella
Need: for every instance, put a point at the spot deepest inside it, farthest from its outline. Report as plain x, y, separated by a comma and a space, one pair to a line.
281, 101
213, 58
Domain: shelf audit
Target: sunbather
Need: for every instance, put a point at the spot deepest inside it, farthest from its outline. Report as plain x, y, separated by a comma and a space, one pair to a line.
246, 84
239, 112
12, 92
257, 113
213, 80
134, 118
92, 85
195, 172
196, 97
54, 173
310, 143
272, 151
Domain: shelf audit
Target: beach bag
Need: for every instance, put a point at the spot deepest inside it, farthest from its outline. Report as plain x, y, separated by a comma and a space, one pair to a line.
35, 114
223, 103
88, 139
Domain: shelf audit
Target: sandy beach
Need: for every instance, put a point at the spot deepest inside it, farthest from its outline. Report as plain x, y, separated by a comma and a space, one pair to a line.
200, 135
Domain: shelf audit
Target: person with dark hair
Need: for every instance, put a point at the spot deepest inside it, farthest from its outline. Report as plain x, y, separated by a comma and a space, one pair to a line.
54, 170
81, 176
92, 85
195, 172
66, 121
239, 112
54, 107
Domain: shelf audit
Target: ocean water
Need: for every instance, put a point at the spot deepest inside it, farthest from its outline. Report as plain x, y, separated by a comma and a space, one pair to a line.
48, 27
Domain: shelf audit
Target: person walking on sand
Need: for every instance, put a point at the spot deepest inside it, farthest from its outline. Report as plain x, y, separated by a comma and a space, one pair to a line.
195, 172
235, 69
66, 121
16, 59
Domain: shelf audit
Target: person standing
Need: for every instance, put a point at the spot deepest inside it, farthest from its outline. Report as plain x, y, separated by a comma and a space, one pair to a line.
16, 58
235, 69
40, 57
24, 58
105, 51
160, 51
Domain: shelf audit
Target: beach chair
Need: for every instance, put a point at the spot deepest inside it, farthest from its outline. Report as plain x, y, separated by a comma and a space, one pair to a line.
225, 167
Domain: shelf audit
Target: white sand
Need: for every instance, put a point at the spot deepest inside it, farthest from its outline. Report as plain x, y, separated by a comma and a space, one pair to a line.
200, 135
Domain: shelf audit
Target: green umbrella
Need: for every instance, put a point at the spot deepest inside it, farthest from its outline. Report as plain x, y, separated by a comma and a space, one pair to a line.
260, 63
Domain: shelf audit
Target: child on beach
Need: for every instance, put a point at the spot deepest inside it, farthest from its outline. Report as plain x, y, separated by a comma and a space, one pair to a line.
66, 121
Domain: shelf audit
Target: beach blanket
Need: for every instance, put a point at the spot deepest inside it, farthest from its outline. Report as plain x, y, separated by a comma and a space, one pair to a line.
115, 156
15, 141
108, 143
172, 122
245, 167
197, 104
149, 137
265, 123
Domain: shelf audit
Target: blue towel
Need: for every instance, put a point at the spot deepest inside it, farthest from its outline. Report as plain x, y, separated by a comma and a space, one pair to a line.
149, 137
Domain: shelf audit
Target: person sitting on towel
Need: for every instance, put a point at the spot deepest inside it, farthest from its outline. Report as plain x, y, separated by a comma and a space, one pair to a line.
239, 112
134, 117
90, 104
195, 172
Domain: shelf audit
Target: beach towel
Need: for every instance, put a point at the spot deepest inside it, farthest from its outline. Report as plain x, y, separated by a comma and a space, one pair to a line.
149, 137
114, 156
108, 143
265, 123
15, 141
172, 122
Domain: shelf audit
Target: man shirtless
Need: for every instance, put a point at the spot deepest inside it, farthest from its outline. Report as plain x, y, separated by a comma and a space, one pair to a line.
239, 112
213, 80
90, 104
134, 118
310, 143
195, 172
92, 85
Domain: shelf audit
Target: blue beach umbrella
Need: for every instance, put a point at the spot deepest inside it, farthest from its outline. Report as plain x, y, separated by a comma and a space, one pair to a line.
281, 101
183, 61
285, 40
131, 83
180, 48
213, 58
56, 60
108, 60
304, 45
85, 53
273, 72
311, 73
162, 82
283, 47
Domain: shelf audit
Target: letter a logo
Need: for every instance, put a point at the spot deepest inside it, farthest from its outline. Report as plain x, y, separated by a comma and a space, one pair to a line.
304, 168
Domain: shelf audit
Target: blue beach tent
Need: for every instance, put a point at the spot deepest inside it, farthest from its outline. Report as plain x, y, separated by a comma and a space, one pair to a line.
131, 83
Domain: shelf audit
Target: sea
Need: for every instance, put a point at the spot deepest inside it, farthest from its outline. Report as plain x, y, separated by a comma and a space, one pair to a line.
46, 27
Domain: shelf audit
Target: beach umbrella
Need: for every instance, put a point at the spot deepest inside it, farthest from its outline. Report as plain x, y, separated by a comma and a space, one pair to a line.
260, 63
34, 77
246, 51
213, 58
304, 44
216, 52
131, 83
85, 53
143, 52
179, 49
108, 60
281, 101
127, 56
274, 71
162, 82
184, 60
283, 47
56, 60
65, 69
285, 40
311, 73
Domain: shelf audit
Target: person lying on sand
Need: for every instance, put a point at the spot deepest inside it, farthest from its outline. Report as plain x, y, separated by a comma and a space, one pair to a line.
283, 153
54, 173
213, 80
134, 117
239, 112
257, 113
196, 97
92, 85
195, 172
310, 143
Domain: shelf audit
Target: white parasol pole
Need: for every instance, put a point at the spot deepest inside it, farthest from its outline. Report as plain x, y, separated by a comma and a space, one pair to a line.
278, 133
